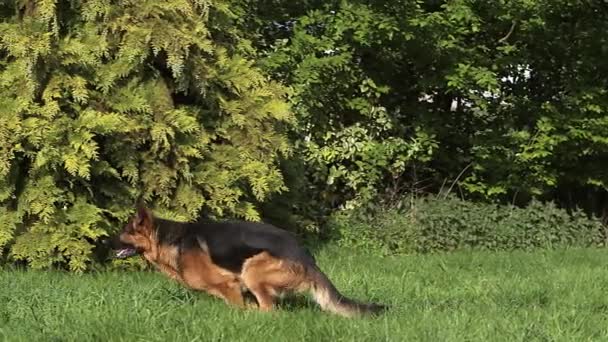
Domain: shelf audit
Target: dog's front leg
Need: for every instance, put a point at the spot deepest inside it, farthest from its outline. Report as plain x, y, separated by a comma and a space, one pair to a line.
171, 273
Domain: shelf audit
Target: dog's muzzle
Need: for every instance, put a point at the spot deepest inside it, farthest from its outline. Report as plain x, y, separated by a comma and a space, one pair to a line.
125, 253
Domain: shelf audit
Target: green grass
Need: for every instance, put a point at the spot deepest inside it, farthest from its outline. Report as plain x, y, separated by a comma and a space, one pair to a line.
541, 296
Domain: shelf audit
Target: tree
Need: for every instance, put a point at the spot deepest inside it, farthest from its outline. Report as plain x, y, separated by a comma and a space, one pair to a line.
506, 99
103, 102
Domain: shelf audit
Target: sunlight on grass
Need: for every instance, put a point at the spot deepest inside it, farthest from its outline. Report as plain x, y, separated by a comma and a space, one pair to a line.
558, 295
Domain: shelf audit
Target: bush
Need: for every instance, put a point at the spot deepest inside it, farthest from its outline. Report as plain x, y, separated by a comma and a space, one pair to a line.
433, 224
102, 103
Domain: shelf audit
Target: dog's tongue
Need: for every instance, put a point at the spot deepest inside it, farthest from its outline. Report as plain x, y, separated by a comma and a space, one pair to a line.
125, 253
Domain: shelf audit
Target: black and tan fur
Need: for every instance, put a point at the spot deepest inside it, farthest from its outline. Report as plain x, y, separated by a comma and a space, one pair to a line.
225, 258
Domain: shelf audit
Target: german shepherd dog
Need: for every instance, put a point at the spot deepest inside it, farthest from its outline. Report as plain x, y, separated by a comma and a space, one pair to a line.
227, 258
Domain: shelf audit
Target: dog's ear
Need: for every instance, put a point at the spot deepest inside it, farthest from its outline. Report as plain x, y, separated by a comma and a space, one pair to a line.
143, 216
140, 203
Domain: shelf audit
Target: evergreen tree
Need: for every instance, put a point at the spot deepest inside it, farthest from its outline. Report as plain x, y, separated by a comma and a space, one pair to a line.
103, 102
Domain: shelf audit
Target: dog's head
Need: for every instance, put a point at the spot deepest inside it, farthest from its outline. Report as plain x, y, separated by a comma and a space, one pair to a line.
136, 237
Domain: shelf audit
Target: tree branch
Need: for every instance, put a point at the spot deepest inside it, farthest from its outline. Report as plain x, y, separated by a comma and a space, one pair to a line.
504, 39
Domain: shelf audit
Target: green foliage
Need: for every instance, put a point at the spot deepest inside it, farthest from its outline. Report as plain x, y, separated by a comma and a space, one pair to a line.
438, 224
183, 103
352, 145
104, 102
513, 94
357, 164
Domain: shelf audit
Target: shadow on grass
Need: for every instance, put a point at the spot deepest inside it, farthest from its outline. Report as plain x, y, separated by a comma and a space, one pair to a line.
290, 302
296, 303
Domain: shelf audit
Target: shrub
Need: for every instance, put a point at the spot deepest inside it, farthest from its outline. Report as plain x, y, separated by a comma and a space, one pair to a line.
105, 102
433, 224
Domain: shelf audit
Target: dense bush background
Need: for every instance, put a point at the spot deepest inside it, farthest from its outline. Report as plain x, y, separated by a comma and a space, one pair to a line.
444, 224
218, 107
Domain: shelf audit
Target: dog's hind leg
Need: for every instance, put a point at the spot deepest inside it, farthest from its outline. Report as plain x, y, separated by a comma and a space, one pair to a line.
253, 276
266, 277
263, 297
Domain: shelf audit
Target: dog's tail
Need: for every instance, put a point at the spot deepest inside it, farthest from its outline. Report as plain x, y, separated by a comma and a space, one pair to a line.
330, 299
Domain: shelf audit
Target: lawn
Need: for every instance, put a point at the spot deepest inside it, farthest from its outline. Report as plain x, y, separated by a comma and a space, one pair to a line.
465, 296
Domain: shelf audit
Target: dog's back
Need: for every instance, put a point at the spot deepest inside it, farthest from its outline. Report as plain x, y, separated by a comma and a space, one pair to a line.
229, 244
